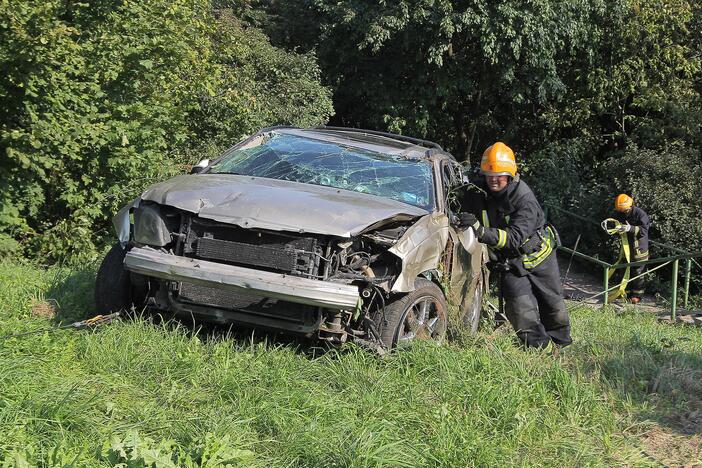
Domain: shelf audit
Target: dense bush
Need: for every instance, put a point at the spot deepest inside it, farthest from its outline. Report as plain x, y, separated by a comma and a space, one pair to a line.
102, 98
595, 97
667, 182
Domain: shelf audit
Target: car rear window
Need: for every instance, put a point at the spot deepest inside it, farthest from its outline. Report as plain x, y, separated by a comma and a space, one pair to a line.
310, 161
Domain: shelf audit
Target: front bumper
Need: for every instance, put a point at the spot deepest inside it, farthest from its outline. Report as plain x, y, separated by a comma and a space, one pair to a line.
325, 294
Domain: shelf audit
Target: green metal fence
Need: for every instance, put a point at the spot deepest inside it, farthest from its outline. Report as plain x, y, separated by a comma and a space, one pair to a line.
679, 254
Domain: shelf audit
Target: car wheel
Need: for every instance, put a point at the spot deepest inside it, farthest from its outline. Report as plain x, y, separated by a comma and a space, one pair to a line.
471, 319
113, 289
419, 315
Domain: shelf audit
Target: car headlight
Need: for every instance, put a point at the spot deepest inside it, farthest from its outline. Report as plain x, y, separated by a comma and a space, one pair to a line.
150, 227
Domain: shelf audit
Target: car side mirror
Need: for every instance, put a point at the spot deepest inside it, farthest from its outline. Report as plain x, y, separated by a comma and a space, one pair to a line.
199, 167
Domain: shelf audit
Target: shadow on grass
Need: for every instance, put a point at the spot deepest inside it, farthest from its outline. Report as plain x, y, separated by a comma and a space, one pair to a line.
73, 290
663, 382
241, 336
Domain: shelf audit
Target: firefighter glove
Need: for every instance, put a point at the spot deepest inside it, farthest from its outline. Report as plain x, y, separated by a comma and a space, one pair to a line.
626, 227
468, 220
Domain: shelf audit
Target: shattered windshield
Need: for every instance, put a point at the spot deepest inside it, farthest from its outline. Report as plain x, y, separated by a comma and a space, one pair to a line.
298, 159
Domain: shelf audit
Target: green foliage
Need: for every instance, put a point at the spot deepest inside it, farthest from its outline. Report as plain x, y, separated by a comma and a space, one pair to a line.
98, 95
258, 85
633, 123
103, 98
675, 206
136, 451
459, 72
571, 86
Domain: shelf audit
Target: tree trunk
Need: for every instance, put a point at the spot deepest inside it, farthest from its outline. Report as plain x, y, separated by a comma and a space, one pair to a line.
462, 119
476, 110
459, 120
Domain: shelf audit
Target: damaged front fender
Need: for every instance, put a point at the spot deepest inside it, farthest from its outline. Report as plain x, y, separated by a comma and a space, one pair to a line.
420, 249
122, 223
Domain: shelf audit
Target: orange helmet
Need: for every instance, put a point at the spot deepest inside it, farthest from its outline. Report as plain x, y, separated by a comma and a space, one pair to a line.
623, 202
498, 159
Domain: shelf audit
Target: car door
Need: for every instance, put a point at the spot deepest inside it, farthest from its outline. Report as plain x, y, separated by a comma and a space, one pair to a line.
464, 256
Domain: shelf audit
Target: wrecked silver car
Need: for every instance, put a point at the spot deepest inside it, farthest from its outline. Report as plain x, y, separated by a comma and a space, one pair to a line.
333, 233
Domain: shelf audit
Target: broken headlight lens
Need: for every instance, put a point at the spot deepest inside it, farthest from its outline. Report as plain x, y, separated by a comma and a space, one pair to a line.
150, 227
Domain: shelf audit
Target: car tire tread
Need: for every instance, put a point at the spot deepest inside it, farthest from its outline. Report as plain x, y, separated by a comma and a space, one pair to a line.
112, 283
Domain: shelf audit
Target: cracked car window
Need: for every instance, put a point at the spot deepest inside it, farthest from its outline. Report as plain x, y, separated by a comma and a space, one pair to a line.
299, 159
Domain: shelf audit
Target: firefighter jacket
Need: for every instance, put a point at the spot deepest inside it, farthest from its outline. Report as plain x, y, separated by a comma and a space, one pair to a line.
513, 223
640, 224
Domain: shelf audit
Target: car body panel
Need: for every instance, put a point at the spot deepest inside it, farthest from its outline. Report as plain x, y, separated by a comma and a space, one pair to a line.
279, 205
121, 223
420, 249
467, 260
158, 264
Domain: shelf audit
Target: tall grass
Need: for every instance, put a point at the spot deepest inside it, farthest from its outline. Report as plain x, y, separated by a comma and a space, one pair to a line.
160, 394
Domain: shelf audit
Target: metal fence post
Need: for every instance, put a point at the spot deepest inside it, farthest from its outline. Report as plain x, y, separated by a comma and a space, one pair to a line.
674, 290
688, 268
606, 285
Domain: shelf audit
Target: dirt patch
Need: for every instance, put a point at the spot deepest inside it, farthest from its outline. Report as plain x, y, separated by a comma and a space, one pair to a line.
45, 309
670, 449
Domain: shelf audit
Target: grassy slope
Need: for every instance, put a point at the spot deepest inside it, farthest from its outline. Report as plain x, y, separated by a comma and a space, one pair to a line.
135, 390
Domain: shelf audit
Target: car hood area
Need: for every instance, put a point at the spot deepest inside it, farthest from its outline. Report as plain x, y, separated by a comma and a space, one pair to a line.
254, 202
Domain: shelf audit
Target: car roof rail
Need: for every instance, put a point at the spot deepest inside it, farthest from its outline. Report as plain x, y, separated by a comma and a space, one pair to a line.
393, 136
273, 127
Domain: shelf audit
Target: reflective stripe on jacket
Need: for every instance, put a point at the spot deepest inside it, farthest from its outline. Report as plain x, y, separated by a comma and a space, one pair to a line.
511, 218
640, 222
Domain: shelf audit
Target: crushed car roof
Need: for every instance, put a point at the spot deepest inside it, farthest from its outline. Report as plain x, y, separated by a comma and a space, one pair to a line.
380, 142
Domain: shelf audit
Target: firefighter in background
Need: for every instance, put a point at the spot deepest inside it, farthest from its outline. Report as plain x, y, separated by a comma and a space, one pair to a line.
635, 223
506, 216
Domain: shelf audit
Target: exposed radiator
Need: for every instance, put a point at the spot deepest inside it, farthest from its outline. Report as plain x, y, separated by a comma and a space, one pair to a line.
286, 259
279, 252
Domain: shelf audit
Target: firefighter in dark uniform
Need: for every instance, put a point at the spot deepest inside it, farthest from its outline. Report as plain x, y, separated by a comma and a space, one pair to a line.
635, 223
505, 215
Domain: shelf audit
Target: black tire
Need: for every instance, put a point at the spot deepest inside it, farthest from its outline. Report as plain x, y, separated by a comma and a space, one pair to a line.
420, 314
471, 319
113, 288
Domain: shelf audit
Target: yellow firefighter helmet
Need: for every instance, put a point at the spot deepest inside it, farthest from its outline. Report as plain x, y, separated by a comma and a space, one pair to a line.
623, 202
498, 159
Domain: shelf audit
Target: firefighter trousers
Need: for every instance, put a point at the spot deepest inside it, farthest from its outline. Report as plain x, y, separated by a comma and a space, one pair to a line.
636, 287
534, 305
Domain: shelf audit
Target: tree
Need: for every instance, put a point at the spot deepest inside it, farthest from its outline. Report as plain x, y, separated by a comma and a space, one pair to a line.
463, 73
588, 93
258, 85
103, 98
